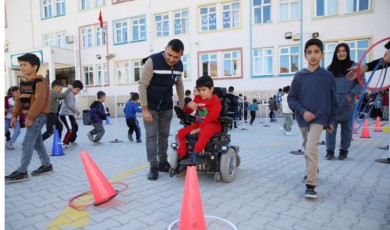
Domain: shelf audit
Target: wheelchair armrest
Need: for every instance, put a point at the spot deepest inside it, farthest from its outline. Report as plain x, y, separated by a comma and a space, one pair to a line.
179, 112
186, 119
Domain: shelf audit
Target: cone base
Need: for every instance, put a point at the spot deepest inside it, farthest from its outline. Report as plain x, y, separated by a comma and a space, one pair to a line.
386, 160
104, 201
56, 155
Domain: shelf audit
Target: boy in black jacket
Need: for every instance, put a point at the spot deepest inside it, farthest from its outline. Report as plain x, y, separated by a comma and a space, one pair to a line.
96, 115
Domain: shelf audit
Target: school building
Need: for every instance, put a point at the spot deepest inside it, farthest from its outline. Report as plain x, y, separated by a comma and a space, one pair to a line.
254, 45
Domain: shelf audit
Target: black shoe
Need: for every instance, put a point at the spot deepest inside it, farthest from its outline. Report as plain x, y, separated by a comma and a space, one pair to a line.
164, 167
130, 138
42, 170
139, 141
16, 177
153, 174
343, 154
310, 193
329, 155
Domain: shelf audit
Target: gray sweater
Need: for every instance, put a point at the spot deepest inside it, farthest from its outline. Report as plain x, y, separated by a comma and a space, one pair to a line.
68, 106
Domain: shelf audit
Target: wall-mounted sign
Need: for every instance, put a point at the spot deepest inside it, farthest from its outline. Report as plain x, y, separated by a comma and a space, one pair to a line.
14, 57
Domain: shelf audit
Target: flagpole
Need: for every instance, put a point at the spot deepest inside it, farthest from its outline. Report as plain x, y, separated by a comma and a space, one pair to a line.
101, 49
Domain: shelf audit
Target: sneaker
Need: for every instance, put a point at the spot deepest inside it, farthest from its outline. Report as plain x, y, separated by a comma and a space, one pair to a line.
164, 167
310, 193
42, 170
289, 133
66, 146
282, 129
9, 145
329, 155
343, 154
11, 175
130, 138
73, 144
139, 141
97, 143
153, 174
90, 136
17, 177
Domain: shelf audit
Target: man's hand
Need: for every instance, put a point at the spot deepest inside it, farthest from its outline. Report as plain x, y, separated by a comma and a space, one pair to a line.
195, 131
28, 123
13, 122
330, 129
308, 116
386, 58
147, 116
352, 74
192, 105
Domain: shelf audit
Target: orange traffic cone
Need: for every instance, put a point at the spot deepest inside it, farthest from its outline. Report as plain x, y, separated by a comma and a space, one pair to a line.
378, 127
101, 189
191, 214
365, 131
352, 138
355, 131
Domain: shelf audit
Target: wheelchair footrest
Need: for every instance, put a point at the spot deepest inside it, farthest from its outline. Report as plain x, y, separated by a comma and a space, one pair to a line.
190, 161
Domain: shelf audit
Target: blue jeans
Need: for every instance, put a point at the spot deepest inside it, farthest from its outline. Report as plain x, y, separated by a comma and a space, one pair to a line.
346, 136
7, 126
33, 140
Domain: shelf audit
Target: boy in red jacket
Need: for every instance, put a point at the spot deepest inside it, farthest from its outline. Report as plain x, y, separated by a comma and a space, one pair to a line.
207, 107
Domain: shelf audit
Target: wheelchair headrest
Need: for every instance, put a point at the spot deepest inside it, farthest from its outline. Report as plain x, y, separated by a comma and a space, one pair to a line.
220, 91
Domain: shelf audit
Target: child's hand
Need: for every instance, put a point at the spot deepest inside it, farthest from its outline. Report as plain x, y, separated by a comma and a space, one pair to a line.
308, 116
192, 105
13, 122
28, 123
195, 131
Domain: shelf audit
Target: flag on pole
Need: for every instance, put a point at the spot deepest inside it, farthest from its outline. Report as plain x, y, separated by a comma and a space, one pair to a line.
101, 19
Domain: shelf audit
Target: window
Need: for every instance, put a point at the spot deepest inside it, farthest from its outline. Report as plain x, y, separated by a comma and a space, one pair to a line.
288, 10
52, 8
329, 51
209, 64
88, 75
137, 68
181, 22
49, 40
121, 29
102, 74
289, 59
99, 3
139, 29
6, 47
47, 9
61, 40
208, 18
123, 72
60, 7
353, 6
162, 25
232, 64
231, 15
357, 49
262, 11
101, 34
86, 4
86, 35
326, 7
186, 67
262, 59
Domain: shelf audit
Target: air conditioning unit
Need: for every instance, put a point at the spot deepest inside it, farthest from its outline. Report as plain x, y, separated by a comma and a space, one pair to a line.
69, 39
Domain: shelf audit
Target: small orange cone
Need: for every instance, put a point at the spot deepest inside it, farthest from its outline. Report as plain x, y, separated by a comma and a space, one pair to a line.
365, 131
378, 127
355, 131
101, 189
352, 138
191, 214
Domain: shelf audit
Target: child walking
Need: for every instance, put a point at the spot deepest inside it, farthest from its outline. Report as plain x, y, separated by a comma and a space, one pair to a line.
68, 112
34, 103
313, 100
12, 95
130, 110
96, 115
253, 107
288, 116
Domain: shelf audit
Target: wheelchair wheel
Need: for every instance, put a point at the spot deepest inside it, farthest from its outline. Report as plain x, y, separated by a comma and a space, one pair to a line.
174, 163
228, 166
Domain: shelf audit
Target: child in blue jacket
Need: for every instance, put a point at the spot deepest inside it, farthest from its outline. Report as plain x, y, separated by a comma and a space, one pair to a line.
130, 111
96, 115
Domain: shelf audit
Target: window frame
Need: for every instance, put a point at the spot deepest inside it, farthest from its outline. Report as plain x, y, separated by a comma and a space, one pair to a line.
90, 71
99, 69
261, 6
219, 59
61, 44
91, 33
185, 59
53, 39
92, 4
289, 3
208, 18
369, 6
232, 60
140, 26
232, 16
134, 67
290, 55
98, 35
184, 22
357, 49
326, 12
125, 69
263, 57
162, 22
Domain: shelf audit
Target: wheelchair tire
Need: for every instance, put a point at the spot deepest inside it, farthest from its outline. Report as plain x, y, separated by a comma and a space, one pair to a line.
174, 160
228, 165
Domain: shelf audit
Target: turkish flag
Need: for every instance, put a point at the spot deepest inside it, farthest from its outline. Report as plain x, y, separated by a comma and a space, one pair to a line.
101, 19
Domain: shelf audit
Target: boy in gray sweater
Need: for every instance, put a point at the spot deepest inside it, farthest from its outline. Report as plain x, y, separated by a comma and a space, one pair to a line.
68, 112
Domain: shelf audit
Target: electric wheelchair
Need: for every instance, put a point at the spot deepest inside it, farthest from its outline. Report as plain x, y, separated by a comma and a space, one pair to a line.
222, 158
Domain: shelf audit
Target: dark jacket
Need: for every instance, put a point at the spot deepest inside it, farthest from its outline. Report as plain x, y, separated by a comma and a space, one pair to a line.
314, 92
97, 113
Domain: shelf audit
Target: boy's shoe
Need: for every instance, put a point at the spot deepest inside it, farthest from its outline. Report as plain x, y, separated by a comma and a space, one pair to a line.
164, 167
16, 177
153, 174
73, 144
329, 155
9, 145
42, 170
130, 138
97, 143
289, 133
66, 146
90, 136
343, 154
139, 141
310, 193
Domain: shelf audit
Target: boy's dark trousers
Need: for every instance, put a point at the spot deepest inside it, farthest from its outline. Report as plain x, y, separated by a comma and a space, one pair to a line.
98, 131
253, 116
72, 127
133, 125
245, 115
52, 120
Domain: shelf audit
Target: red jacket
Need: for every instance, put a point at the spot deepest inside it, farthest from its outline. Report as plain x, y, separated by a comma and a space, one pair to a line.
208, 110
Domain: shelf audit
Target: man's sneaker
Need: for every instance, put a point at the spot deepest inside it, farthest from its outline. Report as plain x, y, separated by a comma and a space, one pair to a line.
343, 154
329, 155
66, 146
164, 167
310, 193
90, 136
16, 177
289, 133
9, 145
139, 141
282, 129
97, 143
73, 144
42, 170
153, 174
130, 138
